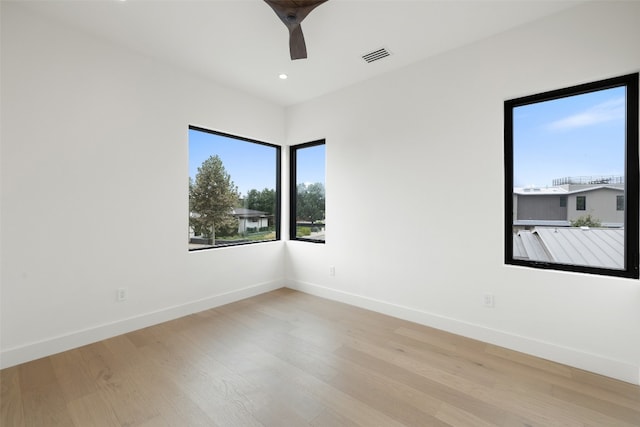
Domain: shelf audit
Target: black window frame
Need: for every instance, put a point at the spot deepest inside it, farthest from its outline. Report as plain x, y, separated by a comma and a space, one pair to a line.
293, 189
278, 189
581, 203
620, 202
631, 217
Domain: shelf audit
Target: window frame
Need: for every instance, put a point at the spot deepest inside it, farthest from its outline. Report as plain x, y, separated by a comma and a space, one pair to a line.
563, 201
631, 217
293, 189
619, 205
278, 185
581, 206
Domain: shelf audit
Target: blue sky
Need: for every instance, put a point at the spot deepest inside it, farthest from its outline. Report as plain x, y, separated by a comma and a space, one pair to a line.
250, 165
580, 135
310, 164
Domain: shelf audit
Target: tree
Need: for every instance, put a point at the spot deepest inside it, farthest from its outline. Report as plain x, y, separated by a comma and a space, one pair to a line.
264, 201
586, 221
211, 200
310, 202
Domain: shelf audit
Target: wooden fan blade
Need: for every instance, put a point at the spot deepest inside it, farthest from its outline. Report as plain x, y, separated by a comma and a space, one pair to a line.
297, 46
292, 13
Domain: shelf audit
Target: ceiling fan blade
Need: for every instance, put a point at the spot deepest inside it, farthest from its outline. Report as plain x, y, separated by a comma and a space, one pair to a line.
292, 13
297, 46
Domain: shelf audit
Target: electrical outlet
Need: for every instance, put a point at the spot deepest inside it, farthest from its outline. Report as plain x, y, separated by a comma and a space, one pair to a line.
122, 294
488, 301
332, 270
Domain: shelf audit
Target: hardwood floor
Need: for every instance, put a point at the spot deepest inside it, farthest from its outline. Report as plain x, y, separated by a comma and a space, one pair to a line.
290, 359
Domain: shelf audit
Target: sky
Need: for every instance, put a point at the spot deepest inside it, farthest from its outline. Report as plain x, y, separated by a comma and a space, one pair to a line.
310, 164
581, 135
251, 165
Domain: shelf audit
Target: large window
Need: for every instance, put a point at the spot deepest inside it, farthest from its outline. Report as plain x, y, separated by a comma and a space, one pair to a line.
234, 190
574, 144
307, 192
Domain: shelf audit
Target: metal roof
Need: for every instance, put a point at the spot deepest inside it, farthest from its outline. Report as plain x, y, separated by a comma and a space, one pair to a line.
546, 191
530, 247
545, 222
539, 190
594, 247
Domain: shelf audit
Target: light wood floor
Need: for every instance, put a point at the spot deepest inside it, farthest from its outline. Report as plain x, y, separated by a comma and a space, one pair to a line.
290, 359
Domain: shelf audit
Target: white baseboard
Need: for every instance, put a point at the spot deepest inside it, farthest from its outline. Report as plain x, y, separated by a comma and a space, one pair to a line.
568, 356
35, 350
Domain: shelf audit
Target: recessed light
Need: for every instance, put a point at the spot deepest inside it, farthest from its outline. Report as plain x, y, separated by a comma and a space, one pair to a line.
283, 76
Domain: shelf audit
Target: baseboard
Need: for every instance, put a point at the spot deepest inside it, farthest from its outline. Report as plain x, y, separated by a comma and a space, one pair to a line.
24, 353
568, 356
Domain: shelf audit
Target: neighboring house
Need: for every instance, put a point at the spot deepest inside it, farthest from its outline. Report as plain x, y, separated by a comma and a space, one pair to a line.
595, 247
569, 199
249, 219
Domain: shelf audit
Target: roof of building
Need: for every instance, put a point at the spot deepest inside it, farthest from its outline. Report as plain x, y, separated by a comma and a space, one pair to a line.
238, 212
247, 212
594, 247
559, 223
542, 222
546, 191
539, 190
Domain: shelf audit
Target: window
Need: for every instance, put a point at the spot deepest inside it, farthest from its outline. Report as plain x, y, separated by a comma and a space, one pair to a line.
307, 192
581, 139
234, 190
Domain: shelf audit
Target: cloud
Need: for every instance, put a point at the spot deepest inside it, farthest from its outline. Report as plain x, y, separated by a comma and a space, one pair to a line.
605, 112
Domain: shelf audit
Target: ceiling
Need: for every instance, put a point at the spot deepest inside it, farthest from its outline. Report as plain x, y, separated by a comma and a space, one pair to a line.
244, 45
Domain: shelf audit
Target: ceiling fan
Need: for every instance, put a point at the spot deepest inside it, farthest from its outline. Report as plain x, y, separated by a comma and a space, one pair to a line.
291, 13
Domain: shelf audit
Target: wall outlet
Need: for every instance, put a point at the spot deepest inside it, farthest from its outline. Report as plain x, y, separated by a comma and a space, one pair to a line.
488, 301
332, 270
122, 294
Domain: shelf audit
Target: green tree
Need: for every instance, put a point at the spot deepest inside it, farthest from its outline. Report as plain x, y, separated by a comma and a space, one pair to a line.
212, 197
586, 221
264, 201
310, 202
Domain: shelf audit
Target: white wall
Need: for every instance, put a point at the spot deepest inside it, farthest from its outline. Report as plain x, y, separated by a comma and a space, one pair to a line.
94, 190
424, 145
94, 195
601, 204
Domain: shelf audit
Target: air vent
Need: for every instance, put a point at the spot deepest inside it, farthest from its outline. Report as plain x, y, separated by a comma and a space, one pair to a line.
376, 55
